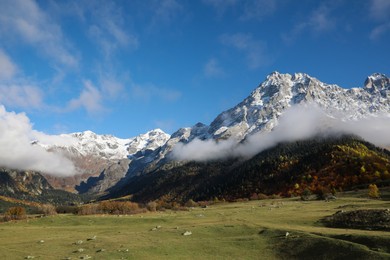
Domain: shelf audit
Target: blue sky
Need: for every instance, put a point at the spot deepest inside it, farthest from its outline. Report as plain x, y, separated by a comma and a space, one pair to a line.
126, 67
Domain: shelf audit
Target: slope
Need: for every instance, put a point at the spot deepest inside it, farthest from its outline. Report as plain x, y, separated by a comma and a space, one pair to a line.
319, 166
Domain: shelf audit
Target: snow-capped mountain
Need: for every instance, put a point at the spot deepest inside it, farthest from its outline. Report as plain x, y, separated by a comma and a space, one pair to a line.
109, 147
93, 154
260, 111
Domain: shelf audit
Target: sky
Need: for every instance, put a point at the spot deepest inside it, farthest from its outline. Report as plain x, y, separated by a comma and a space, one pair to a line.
126, 67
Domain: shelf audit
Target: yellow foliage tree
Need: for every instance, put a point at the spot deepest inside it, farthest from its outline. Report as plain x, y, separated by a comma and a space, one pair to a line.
373, 191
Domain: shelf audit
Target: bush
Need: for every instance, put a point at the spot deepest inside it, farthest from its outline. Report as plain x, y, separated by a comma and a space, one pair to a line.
190, 203
111, 207
118, 207
88, 209
47, 210
254, 196
67, 209
152, 206
373, 191
262, 196
15, 213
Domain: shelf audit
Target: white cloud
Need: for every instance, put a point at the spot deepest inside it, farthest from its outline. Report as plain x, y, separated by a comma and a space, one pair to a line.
25, 20
148, 92
380, 9
213, 69
112, 88
107, 28
16, 151
380, 12
246, 10
208, 150
379, 30
254, 50
90, 99
319, 21
221, 5
22, 96
258, 9
165, 11
297, 123
7, 68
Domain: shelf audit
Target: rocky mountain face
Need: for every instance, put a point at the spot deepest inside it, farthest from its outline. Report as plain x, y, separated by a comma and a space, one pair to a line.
22, 182
261, 110
95, 155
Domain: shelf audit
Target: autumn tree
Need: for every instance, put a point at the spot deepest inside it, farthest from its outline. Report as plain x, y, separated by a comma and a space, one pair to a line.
373, 191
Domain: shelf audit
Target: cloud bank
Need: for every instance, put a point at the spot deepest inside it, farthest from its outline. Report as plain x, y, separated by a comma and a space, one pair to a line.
17, 152
297, 123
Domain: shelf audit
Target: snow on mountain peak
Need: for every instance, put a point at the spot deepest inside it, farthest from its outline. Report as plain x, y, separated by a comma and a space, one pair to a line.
88, 143
149, 141
377, 81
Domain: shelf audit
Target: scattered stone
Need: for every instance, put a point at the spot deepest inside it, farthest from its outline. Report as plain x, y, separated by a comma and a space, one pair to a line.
79, 242
101, 250
29, 257
155, 228
91, 238
80, 250
85, 257
187, 233
329, 197
287, 234
41, 241
67, 258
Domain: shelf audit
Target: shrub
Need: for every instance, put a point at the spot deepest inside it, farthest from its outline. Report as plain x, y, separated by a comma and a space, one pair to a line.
262, 196
119, 207
152, 206
67, 209
190, 203
47, 210
15, 213
254, 196
373, 191
88, 209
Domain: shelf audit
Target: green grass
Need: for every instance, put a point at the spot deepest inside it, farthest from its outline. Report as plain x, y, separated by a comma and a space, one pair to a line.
247, 230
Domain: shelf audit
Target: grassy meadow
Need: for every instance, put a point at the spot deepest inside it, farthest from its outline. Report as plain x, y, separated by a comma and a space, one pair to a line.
241, 230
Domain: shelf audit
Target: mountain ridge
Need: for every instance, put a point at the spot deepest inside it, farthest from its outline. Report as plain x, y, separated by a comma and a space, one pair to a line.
260, 112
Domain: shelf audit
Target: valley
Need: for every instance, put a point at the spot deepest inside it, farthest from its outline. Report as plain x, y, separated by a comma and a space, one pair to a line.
245, 230
258, 182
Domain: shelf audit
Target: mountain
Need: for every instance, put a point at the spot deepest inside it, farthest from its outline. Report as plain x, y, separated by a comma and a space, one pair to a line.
262, 109
109, 164
18, 182
319, 166
31, 186
94, 154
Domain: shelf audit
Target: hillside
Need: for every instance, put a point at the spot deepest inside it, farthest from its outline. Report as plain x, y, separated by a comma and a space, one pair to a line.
31, 186
317, 165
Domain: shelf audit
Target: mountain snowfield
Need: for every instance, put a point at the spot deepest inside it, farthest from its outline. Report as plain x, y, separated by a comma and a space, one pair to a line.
108, 146
260, 112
